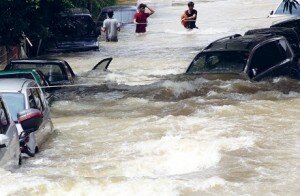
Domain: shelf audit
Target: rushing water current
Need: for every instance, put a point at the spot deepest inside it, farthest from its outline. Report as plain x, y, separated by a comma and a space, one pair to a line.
146, 129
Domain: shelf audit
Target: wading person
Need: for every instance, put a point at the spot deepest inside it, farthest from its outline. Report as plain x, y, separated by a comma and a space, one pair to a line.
189, 17
140, 18
111, 27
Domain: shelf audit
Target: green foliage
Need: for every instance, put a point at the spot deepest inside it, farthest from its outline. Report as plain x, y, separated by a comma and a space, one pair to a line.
289, 4
34, 16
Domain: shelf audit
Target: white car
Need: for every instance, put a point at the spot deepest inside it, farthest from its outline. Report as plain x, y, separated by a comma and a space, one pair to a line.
281, 12
9, 139
25, 94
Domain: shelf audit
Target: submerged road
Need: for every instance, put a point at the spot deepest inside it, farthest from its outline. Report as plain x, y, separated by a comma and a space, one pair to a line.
147, 130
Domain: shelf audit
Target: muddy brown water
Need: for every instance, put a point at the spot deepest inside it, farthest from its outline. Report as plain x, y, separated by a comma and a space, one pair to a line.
145, 129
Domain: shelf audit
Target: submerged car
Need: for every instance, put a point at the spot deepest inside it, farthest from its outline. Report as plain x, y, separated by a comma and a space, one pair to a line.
123, 13
73, 30
9, 139
25, 95
254, 57
56, 72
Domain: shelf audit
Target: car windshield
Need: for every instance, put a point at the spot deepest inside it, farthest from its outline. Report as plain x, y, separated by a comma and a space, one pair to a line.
15, 103
219, 62
74, 26
124, 16
52, 72
281, 10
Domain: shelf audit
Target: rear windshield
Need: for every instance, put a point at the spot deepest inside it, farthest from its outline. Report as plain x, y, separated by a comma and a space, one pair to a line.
74, 26
123, 16
15, 103
219, 62
52, 72
281, 10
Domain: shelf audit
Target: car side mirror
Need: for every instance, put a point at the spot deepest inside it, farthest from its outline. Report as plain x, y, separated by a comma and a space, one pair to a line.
272, 12
254, 71
30, 119
4, 140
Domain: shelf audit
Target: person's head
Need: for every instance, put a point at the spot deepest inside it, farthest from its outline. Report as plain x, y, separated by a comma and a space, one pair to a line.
110, 13
142, 7
191, 5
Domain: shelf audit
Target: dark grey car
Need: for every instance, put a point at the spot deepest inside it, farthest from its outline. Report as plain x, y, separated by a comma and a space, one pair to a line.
255, 57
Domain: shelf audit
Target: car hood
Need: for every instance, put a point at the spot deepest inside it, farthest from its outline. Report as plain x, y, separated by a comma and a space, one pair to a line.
58, 45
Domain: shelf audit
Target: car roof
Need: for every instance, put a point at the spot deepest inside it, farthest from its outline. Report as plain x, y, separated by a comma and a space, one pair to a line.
76, 12
17, 71
284, 21
13, 84
238, 42
119, 7
38, 61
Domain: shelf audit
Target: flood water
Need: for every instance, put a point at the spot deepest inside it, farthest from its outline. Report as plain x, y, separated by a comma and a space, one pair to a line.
145, 129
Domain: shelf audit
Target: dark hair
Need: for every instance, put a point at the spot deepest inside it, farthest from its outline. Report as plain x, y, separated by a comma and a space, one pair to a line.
110, 13
191, 4
142, 6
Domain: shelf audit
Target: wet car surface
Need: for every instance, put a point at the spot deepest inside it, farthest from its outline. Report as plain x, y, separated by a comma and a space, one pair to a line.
255, 56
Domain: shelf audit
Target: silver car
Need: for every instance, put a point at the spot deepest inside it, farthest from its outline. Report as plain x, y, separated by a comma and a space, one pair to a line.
9, 139
24, 94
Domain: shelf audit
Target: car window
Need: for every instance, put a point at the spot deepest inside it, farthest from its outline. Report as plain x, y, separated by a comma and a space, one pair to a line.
127, 16
4, 121
284, 49
15, 103
74, 26
34, 99
52, 72
265, 57
219, 62
281, 10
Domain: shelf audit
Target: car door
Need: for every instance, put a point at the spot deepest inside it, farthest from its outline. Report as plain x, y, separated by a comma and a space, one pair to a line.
9, 145
269, 60
38, 101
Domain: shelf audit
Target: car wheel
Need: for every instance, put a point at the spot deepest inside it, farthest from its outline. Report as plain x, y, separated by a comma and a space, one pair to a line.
36, 150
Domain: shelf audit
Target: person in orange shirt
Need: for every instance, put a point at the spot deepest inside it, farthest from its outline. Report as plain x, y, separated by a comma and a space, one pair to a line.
189, 17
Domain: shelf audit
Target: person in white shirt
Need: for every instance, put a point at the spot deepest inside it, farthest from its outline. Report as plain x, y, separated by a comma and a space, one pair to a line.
111, 27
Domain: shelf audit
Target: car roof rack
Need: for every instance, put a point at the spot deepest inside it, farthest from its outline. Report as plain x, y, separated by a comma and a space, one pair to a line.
223, 38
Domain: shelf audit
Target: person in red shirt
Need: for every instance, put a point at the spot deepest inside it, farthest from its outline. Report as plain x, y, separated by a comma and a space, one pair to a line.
140, 18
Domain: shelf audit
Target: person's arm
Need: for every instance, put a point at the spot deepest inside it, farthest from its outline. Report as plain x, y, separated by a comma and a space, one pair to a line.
194, 17
103, 28
118, 26
151, 10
